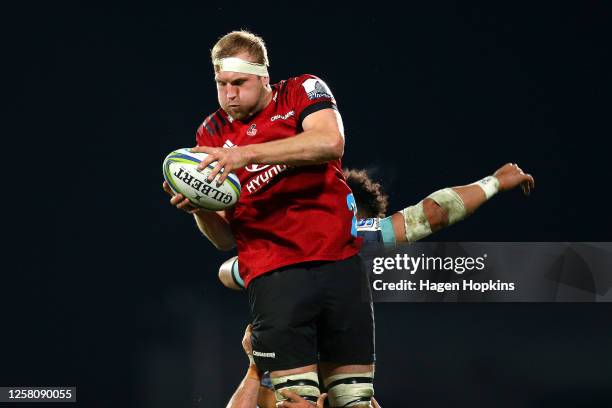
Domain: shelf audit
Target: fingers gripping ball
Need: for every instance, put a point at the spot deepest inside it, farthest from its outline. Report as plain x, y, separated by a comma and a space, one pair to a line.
180, 172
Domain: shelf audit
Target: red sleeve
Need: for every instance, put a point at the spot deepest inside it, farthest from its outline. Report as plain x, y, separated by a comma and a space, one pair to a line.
208, 133
310, 94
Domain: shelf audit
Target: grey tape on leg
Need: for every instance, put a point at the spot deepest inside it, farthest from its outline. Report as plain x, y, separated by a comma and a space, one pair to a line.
451, 202
348, 390
416, 223
306, 385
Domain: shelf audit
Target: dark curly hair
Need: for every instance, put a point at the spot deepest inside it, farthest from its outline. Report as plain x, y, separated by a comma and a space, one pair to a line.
370, 198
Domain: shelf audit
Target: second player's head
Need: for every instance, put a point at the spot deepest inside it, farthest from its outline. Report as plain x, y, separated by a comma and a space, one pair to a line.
240, 60
370, 199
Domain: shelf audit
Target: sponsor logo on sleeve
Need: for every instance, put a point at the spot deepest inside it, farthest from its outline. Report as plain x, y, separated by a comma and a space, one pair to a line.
315, 89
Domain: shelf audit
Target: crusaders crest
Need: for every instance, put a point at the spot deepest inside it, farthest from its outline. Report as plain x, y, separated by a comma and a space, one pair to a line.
252, 130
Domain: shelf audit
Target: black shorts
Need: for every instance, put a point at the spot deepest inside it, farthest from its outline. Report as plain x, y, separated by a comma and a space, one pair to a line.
310, 312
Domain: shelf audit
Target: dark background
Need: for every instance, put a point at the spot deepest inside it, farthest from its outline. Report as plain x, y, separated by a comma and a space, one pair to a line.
109, 288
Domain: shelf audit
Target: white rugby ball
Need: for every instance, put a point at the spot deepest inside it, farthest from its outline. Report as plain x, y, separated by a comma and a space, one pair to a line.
180, 171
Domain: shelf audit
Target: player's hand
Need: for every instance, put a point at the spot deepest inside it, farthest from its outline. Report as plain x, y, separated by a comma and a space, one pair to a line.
295, 401
511, 175
227, 159
246, 342
179, 200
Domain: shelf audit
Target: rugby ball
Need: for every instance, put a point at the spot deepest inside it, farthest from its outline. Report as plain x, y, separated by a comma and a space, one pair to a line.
181, 173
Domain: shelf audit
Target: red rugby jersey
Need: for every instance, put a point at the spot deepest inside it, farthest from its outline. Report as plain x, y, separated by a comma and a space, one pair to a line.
285, 215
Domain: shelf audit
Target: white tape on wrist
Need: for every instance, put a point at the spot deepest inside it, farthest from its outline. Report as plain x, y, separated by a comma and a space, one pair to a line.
234, 64
489, 184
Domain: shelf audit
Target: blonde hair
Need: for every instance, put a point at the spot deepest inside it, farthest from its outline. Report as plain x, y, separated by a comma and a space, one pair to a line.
240, 41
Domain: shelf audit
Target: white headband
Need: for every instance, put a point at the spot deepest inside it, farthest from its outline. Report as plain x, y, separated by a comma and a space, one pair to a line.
234, 64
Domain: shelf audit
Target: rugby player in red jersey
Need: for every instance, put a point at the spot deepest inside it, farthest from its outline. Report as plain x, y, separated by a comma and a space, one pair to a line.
294, 225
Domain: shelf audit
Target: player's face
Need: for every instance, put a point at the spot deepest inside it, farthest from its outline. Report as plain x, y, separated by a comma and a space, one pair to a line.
240, 95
